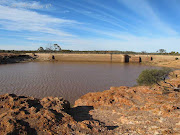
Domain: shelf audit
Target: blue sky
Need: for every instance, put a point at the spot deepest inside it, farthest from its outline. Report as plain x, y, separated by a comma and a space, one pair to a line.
133, 25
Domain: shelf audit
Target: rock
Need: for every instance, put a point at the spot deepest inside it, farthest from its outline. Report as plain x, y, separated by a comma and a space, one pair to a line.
28, 115
13, 58
55, 103
131, 109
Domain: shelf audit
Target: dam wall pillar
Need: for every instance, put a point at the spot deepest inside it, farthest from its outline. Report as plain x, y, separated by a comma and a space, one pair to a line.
135, 59
1, 58
146, 58
140, 58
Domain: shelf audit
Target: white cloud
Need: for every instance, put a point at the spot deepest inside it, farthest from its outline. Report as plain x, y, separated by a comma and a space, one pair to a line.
120, 13
146, 22
143, 8
24, 4
21, 19
98, 15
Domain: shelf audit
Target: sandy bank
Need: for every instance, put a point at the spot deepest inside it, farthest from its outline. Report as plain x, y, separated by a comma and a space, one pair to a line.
165, 63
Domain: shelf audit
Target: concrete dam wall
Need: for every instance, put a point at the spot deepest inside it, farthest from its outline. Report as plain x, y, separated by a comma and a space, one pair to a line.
81, 57
115, 58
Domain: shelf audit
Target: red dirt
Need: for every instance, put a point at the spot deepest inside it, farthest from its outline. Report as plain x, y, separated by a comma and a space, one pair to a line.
137, 110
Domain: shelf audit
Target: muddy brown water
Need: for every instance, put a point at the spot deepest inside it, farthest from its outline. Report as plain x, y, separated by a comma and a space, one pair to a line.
68, 80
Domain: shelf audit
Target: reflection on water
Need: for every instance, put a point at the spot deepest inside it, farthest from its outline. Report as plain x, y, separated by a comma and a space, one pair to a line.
69, 80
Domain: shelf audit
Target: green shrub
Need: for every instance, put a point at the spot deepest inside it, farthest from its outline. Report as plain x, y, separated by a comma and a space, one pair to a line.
153, 76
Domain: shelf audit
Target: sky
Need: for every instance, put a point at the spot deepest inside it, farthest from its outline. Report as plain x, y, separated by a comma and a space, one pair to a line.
124, 25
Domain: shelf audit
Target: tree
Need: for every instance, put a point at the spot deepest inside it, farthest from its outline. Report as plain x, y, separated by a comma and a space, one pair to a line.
41, 49
57, 47
153, 76
143, 52
162, 51
172, 53
53, 47
49, 47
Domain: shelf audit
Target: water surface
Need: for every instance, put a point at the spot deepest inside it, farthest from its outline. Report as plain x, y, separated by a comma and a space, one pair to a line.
69, 80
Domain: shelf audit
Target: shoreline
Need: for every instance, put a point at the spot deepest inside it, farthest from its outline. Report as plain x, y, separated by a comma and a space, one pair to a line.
10, 58
125, 110
171, 64
160, 61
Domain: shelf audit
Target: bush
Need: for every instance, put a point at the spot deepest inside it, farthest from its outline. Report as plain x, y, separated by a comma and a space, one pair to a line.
153, 76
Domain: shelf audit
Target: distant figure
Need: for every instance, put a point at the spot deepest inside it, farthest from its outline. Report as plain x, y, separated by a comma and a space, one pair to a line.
176, 75
34, 54
53, 57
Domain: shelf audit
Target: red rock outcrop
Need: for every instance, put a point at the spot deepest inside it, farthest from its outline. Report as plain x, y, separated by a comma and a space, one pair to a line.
27, 115
137, 110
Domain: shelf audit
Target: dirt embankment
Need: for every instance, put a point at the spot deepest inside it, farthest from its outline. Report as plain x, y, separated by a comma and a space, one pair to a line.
6, 58
165, 63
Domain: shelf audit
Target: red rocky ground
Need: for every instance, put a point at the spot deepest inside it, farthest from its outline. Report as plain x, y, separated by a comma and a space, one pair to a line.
120, 110
137, 110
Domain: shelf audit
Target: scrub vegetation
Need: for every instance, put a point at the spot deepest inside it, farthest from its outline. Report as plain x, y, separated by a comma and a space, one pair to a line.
153, 76
55, 48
